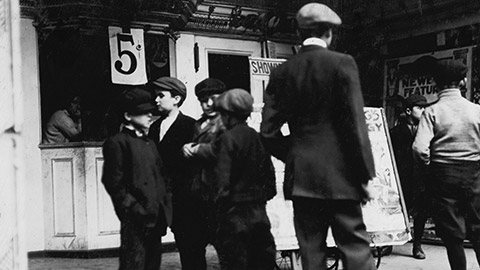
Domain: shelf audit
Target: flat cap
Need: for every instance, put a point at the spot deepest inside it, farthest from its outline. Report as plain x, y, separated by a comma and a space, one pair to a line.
313, 13
447, 71
173, 85
236, 101
415, 100
209, 87
137, 101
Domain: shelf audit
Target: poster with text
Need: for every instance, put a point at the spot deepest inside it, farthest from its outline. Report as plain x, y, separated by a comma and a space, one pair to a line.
404, 76
385, 215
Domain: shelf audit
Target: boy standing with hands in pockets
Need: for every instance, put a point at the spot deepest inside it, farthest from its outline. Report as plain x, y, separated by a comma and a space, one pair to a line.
133, 179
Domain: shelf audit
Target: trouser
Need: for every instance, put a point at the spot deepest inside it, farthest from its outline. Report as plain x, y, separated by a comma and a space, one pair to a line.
313, 217
455, 190
419, 228
419, 207
194, 226
141, 247
244, 239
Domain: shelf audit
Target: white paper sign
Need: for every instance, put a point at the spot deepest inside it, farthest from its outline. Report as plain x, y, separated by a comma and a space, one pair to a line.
127, 55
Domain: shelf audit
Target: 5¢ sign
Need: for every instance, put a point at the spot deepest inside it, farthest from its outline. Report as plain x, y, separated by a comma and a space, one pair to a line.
127, 56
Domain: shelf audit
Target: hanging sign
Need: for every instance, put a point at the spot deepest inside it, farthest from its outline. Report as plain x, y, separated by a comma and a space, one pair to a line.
127, 55
260, 68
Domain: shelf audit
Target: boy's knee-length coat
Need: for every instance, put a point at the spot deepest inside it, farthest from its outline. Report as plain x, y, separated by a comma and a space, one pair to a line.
132, 177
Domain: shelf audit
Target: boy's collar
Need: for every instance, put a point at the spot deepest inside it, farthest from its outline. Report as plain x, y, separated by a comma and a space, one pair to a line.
133, 130
173, 113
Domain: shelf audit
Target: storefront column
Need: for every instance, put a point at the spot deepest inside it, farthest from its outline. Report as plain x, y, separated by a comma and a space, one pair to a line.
31, 135
12, 166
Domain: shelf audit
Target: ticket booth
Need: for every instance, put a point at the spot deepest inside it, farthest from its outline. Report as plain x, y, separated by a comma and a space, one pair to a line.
78, 212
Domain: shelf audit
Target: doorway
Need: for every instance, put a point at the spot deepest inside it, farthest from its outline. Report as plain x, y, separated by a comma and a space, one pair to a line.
233, 70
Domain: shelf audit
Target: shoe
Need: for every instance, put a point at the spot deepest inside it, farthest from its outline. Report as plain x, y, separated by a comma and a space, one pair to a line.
418, 253
387, 250
384, 251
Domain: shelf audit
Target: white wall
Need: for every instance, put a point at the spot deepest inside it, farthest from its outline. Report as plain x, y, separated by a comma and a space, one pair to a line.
185, 72
31, 138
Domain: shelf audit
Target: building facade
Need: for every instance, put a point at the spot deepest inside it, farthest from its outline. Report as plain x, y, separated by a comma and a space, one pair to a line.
65, 51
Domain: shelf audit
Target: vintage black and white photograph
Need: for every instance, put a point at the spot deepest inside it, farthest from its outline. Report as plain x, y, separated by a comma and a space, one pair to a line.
240, 135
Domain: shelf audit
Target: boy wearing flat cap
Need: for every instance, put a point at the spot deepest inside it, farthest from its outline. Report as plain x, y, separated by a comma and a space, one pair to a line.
448, 142
170, 132
246, 181
201, 153
133, 179
411, 177
327, 155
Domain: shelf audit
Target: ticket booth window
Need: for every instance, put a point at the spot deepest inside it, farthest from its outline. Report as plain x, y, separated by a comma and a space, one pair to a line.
74, 63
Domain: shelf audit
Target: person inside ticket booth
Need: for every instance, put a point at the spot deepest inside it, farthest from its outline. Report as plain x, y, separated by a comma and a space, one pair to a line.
65, 125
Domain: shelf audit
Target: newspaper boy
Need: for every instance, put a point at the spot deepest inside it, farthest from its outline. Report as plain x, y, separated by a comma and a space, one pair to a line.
132, 178
246, 180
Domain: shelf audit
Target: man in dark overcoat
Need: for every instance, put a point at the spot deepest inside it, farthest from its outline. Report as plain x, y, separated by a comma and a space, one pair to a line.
170, 132
327, 155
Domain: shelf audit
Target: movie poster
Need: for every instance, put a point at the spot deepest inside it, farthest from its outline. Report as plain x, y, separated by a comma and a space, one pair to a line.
406, 76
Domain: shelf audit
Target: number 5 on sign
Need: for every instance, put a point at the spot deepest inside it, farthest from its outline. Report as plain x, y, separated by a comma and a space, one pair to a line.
127, 55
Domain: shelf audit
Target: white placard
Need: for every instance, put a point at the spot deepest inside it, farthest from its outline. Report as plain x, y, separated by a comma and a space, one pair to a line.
127, 56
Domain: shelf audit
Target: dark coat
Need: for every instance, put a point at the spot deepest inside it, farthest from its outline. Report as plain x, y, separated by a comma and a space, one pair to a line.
132, 177
177, 167
244, 169
327, 154
402, 140
205, 158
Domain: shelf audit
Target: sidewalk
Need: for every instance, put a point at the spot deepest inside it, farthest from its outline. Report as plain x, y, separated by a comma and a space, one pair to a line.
399, 260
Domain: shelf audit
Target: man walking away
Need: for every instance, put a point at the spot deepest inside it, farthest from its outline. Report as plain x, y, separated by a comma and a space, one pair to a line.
328, 158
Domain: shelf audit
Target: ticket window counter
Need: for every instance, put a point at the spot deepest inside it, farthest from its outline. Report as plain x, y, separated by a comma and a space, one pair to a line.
78, 214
